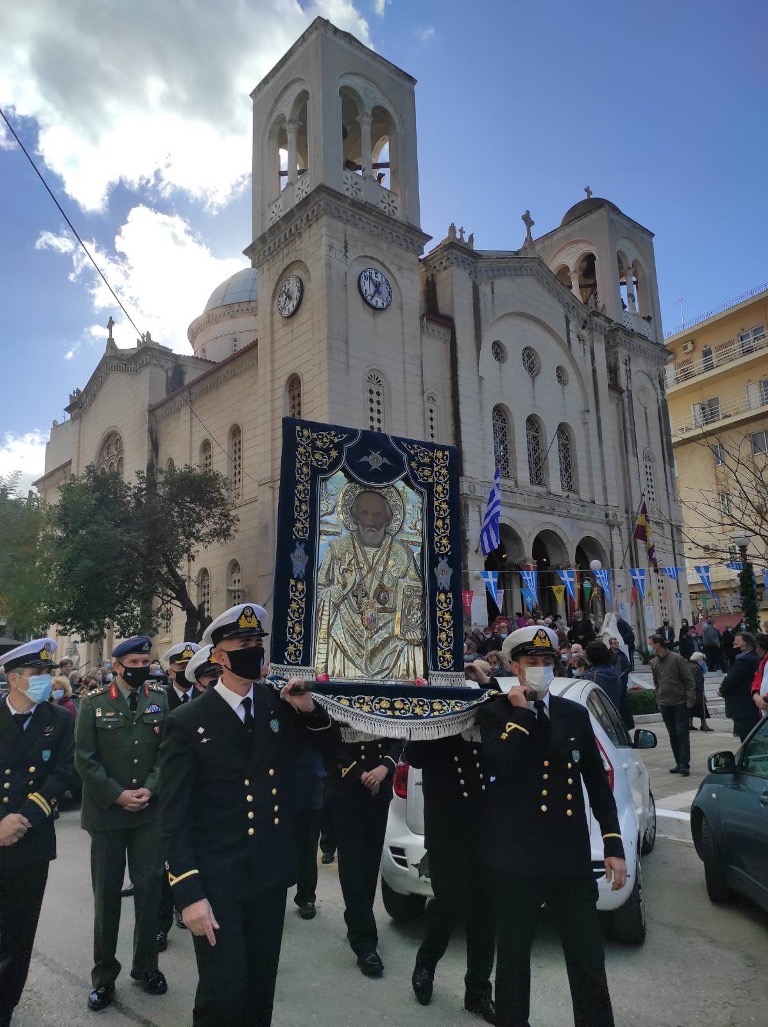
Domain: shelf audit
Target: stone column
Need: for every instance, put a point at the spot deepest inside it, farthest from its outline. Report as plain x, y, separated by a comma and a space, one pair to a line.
575, 284
292, 129
629, 274
366, 159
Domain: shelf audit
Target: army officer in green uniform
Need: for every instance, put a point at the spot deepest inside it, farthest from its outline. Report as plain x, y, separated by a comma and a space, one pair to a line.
117, 744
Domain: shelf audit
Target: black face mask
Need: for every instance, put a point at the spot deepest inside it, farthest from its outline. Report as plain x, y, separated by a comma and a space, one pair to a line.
135, 677
246, 663
181, 680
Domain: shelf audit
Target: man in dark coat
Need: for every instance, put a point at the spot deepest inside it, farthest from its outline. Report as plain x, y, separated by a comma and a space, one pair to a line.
117, 745
541, 748
180, 690
736, 686
36, 748
581, 630
228, 789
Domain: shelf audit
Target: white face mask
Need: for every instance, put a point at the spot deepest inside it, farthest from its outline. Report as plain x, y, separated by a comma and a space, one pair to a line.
539, 679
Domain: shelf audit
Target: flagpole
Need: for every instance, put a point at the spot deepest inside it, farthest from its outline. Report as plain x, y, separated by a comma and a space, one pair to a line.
633, 548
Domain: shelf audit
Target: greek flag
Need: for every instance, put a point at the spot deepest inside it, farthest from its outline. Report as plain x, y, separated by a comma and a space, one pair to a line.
638, 577
489, 533
604, 581
671, 572
491, 579
706, 579
568, 578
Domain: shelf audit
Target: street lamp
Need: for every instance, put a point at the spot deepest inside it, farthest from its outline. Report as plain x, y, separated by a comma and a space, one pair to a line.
741, 542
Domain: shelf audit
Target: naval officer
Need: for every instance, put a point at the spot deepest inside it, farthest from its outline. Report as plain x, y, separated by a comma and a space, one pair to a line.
228, 812
36, 748
541, 747
201, 671
180, 690
117, 754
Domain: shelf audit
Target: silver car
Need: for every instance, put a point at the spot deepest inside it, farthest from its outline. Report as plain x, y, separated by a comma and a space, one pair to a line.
405, 883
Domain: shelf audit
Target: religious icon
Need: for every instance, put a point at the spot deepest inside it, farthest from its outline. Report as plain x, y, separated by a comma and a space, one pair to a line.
370, 617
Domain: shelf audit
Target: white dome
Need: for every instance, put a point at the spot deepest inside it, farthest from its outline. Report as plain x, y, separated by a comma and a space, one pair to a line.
242, 287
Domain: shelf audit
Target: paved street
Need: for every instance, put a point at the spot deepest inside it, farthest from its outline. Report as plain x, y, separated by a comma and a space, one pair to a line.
701, 966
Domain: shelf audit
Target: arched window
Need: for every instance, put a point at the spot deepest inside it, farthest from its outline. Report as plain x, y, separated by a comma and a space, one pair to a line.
376, 401
111, 454
166, 620
502, 441
534, 441
294, 396
204, 590
236, 463
566, 458
206, 455
234, 584
170, 465
430, 404
650, 482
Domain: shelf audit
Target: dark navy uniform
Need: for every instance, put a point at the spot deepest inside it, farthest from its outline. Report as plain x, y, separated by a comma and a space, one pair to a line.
35, 770
118, 749
455, 786
536, 844
228, 811
359, 821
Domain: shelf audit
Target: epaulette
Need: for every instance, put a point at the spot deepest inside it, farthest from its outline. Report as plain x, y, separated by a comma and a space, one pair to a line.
98, 691
156, 688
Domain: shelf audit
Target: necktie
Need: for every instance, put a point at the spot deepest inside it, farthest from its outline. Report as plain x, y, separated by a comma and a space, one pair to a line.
248, 720
185, 697
21, 719
541, 713
133, 701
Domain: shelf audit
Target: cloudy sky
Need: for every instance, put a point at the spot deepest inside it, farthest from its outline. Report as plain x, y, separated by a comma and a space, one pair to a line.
137, 113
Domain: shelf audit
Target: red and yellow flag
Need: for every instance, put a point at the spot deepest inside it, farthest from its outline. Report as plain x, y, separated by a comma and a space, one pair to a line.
643, 534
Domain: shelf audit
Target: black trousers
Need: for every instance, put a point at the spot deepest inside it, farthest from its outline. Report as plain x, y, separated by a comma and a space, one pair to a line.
237, 975
109, 850
21, 897
359, 822
463, 893
572, 901
165, 919
327, 840
678, 724
744, 725
307, 836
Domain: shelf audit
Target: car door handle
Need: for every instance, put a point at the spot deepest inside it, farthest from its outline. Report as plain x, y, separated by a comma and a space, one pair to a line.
764, 799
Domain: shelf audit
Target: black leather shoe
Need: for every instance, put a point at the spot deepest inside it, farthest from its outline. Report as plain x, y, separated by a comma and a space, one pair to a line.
179, 921
371, 964
327, 857
126, 893
422, 982
307, 911
674, 770
162, 941
482, 1005
685, 773
100, 998
152, 981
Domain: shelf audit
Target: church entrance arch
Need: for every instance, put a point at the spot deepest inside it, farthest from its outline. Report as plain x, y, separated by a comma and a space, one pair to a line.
549, 552
509, 555
591, 599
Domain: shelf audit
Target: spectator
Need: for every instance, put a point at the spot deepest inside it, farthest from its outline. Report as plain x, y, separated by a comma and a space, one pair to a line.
760, 680
520, 619
603, 672
499, 664
470, 650
565, 660
710, 640
61, 694
700, 710
620, 660
676, 694
579, 666
687, 643
667, 632
736, 686
628, 637
581, 630
727, 654
490, 641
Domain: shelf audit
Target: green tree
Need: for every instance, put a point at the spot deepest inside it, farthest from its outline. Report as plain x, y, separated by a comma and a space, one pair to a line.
118, 550
749, 603
22, 570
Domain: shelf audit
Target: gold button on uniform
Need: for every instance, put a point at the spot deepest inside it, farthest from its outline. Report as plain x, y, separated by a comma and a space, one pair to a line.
546, 763
543, 809
544, 791
569, 812
569, 797
7, 784
271, 772
251, 815
249, 798
570, 766
246, 783
455, 759
32, 770
250, 831
570, 780
274, 791
545, 777
275, 809
8, 771
6, 799
277, 820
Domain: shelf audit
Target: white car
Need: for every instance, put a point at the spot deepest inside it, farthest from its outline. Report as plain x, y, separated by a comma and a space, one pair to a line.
405, 883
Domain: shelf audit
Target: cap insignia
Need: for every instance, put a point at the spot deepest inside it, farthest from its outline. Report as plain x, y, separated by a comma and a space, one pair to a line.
187, 654
46, 653
248, 619
541, 640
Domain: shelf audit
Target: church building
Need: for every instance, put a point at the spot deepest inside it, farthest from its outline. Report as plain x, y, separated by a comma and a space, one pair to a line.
546, 360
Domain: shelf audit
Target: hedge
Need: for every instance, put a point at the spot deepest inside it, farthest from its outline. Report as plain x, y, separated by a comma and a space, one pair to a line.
643, 700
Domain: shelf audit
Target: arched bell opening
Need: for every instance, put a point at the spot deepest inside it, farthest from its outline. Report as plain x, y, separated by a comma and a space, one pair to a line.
549, 553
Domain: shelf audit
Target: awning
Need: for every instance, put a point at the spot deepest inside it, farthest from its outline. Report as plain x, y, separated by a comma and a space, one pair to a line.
722, 621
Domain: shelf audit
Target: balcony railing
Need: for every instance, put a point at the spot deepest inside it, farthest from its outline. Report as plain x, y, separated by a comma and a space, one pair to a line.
715, 310
726, 353
711, 415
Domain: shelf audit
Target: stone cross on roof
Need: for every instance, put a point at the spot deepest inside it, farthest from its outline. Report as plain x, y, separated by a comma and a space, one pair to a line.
110, 326
588, 191
529, 223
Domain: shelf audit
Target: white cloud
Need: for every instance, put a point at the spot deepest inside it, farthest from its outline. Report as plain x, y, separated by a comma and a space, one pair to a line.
25, 453
161, 270
426, 32
379, 6
149, 93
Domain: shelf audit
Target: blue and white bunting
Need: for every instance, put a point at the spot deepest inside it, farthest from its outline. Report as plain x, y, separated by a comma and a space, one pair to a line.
568, 578
489, 532
491, 579
603, 577
671, 572
704, 575
638, 575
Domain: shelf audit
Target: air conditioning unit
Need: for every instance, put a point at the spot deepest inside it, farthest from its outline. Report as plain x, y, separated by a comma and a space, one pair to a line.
689, 347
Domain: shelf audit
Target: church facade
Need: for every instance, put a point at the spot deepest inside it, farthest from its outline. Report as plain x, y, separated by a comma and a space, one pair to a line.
546, 361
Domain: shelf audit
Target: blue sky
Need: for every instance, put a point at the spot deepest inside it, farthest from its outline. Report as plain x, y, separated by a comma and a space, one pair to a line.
139, 117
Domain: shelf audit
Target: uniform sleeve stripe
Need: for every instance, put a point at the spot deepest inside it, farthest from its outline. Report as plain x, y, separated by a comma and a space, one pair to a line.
346, 770
175, 880
391, 760
611, 836
323, 728
511, 726
38, 800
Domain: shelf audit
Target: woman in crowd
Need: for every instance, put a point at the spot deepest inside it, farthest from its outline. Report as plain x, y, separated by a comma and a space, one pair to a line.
61, 694
499, 664
603, 672
698, 667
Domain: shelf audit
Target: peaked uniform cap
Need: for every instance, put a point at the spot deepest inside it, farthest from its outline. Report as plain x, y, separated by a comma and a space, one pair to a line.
201, 665
182, 652
535, 640
246, 620
37, 653
140, 644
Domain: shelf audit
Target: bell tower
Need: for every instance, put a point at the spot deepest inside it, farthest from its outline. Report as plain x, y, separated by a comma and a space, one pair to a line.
334, 113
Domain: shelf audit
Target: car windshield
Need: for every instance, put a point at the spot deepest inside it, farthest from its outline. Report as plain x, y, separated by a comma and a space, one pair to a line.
754, 755
604, 712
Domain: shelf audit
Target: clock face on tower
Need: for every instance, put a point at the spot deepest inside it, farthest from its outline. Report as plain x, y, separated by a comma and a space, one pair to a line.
375, 288
290, 295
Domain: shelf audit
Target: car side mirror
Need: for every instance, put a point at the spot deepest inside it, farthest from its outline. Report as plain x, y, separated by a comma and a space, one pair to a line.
722, 763
644, 739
